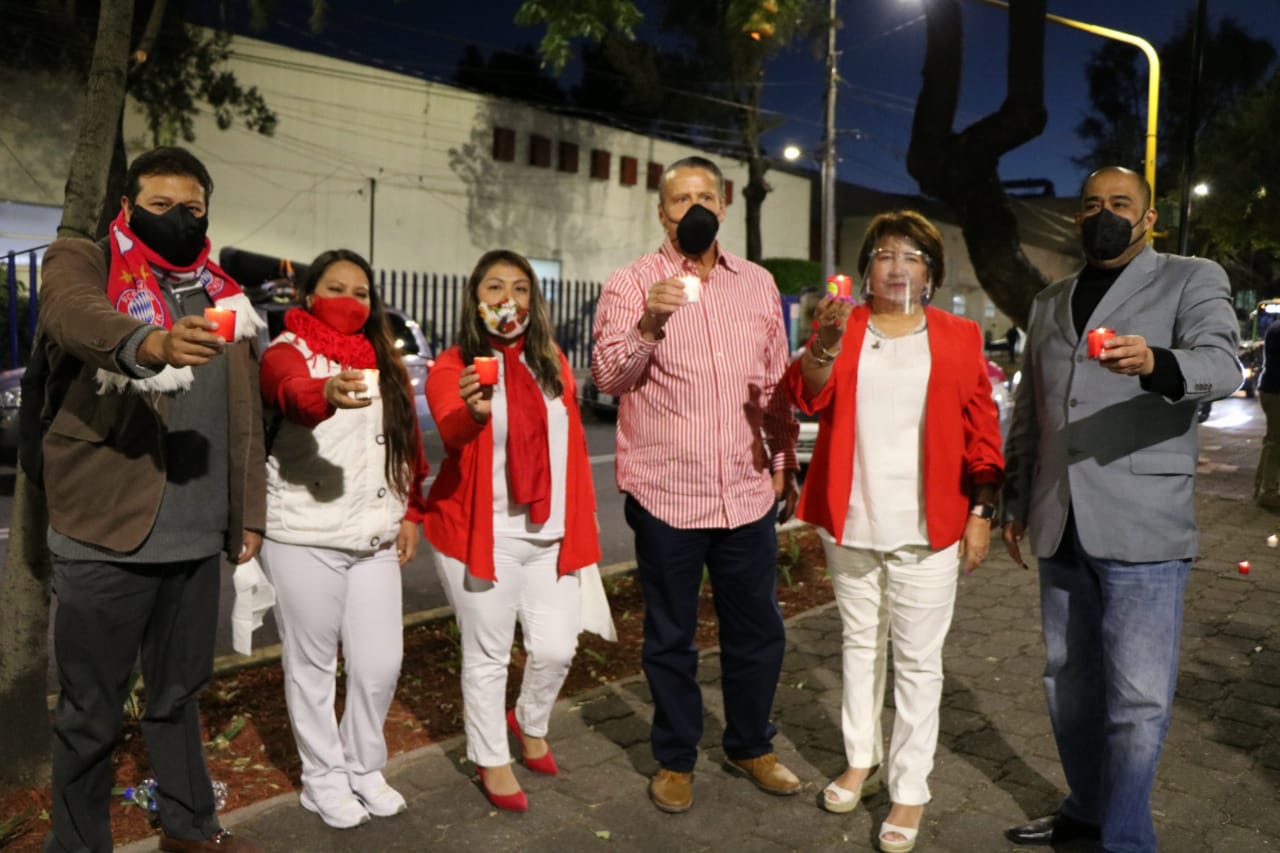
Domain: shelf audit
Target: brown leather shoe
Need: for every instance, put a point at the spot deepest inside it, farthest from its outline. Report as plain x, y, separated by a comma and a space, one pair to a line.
672, 791
221, 842
770, 775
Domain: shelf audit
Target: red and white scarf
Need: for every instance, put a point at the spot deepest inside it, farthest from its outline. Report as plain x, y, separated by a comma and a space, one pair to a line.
134, 288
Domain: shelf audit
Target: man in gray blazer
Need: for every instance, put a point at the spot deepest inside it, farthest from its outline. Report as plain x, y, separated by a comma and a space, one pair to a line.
1100, 464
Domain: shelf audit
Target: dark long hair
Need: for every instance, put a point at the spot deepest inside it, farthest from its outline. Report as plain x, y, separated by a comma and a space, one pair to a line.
540, 349
399, 418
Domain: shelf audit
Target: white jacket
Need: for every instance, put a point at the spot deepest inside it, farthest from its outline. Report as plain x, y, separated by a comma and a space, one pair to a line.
327, 486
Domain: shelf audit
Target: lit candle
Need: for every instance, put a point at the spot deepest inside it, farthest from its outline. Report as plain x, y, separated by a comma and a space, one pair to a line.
1273, 540
372, 390
486, 369
226, 320
1098, 337
840, 286
1243, 566
692, 287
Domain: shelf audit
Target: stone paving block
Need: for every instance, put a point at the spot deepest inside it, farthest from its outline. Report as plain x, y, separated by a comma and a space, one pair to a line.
1237, 734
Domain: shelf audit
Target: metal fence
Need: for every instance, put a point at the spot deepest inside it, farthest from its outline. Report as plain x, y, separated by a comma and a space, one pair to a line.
21, 305
433, 300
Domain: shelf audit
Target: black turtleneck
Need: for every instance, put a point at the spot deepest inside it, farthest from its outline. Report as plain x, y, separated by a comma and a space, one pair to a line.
1092, 284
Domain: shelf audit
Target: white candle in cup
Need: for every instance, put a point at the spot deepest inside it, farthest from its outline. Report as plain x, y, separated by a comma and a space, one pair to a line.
1273, 541
692, 287
371, 377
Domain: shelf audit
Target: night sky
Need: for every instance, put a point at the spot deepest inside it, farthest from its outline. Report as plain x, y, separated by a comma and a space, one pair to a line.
882, 47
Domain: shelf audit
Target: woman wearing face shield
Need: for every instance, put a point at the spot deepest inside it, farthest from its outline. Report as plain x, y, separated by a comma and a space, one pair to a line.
902, 489
511, 516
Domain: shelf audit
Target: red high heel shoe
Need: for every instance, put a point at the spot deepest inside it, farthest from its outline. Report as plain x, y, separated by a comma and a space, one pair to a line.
544, 764
516, 802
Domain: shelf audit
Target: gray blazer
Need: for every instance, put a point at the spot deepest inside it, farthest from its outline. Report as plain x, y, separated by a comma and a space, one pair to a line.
1085, 438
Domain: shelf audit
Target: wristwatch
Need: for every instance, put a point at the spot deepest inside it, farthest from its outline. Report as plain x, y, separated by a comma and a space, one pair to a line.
986, 511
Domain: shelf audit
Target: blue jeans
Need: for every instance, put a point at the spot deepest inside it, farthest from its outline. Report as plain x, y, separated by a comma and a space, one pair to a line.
1111, 633
742, 565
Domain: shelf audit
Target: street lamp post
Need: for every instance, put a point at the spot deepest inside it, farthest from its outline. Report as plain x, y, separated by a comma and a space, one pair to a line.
1153, 81
829, 157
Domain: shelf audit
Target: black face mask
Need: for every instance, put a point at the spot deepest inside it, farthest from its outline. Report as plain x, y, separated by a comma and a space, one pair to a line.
1105, 235
697, 230
177, 235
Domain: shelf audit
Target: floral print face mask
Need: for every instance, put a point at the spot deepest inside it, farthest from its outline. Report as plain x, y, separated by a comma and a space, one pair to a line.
506, 320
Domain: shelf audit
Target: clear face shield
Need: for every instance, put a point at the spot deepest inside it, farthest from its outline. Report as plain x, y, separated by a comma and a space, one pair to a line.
898, 278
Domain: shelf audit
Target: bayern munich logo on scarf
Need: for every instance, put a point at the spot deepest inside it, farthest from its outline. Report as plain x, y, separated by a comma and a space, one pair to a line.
142, 305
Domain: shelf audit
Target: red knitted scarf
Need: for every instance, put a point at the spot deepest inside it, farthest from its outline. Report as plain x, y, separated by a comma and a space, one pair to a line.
350, 351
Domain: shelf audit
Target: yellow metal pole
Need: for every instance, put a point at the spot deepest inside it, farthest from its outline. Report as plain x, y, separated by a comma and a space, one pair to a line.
1153, 81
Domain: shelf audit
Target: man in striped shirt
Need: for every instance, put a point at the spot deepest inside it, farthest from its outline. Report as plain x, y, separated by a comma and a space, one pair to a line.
691, 338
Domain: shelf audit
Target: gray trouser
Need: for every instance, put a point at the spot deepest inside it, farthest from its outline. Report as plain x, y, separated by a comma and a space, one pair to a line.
106, 613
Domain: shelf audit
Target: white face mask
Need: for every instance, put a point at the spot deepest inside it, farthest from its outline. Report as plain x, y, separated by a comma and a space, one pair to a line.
506, 320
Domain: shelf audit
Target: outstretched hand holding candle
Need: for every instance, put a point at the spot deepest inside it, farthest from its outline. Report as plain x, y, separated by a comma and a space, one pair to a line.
1127, 355
477, 394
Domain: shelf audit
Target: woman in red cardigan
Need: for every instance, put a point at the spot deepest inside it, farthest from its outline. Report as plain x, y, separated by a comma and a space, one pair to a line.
511, 515
902, 489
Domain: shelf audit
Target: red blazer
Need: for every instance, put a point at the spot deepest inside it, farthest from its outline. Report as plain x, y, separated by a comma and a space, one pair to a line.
961, 428
459, 515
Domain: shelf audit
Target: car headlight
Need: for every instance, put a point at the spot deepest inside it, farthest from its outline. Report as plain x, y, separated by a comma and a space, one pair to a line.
11, 398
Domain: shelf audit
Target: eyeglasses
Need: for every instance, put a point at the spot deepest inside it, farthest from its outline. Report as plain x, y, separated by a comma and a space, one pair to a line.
907, 257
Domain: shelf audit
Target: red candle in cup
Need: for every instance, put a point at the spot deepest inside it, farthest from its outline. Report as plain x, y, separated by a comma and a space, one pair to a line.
1243, 566
486, 369
840, 286
226, 320
1098, 337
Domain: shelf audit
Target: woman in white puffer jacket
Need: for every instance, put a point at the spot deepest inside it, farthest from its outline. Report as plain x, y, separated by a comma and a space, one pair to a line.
344, 502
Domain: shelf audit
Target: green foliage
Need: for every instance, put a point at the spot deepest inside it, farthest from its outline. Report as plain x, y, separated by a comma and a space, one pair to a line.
133, 698
569, 19
189, 67
14, 827
794, 275
1238, 223
788, 558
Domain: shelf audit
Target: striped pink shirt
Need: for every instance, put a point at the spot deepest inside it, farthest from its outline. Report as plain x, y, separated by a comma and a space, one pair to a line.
699, 405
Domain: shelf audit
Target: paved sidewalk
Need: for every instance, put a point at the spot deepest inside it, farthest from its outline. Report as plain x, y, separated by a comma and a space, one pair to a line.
996, 762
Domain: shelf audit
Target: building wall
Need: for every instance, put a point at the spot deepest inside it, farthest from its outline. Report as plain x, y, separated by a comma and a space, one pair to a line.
404, 170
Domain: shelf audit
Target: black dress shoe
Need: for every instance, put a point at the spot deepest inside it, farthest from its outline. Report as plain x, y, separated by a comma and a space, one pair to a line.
1056, 828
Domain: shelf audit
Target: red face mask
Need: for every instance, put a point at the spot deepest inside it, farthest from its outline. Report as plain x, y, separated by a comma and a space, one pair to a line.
344, 313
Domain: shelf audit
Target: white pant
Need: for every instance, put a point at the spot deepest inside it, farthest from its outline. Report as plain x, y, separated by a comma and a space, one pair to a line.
911, 592
550, 612
324, 596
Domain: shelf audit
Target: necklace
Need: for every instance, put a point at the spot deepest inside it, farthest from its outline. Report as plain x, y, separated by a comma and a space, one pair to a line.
871, 327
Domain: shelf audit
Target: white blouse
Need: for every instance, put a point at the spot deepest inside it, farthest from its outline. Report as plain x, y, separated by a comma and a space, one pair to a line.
510, 519
886, 503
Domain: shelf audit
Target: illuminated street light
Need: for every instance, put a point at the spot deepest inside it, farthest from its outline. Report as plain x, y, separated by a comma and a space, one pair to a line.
791, 152
1200, 190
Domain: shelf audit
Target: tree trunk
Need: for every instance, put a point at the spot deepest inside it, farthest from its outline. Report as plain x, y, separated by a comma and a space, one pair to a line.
24, 593
115, 188
962, 169
103, 106
757, 188
24, 628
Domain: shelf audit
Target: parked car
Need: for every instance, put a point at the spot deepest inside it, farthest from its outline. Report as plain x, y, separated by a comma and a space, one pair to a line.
10, 400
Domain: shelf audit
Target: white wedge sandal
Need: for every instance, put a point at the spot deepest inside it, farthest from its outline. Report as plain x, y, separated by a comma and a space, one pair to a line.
837, 800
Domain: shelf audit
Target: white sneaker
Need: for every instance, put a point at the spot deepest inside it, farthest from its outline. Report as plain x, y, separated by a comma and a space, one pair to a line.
381, 799
341, 811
